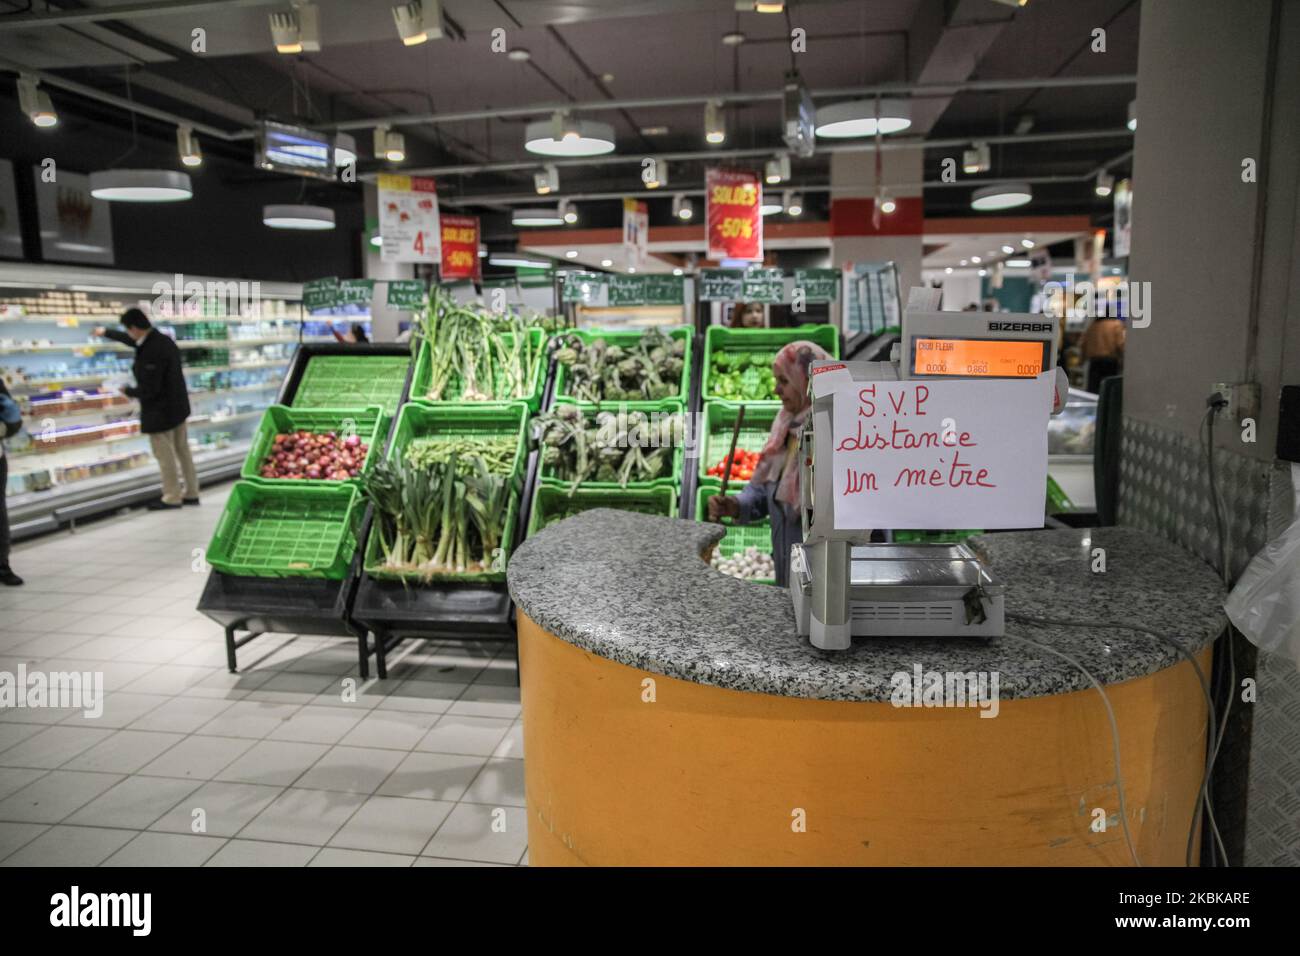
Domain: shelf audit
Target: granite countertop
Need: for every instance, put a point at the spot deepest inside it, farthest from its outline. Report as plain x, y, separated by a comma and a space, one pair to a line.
634, 589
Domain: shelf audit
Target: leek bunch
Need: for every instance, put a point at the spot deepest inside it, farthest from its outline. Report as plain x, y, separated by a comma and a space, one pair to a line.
475, 355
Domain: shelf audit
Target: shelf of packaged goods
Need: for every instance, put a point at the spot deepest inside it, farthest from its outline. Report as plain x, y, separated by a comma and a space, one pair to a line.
111, 319
126, 430
88, 347
54, 384
59, 408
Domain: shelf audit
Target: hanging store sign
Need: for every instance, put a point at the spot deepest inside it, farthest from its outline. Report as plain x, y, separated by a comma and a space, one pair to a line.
734, 199
818, 285
721, 285
636, 232
764, 285
586, 288
460, 248
664, 290
320, 294
408, 219
1123, 218
406, 294
626, 290
355, 292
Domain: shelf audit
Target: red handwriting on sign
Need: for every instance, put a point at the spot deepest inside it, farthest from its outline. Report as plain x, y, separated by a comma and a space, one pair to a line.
870, 437
859, 481
960, 474
867, 407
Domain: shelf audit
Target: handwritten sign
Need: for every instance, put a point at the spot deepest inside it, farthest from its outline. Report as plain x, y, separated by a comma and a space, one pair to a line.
818, 285
406, 293
355, 292
925, 453
319, 294
721, 285
735, 223
764, 285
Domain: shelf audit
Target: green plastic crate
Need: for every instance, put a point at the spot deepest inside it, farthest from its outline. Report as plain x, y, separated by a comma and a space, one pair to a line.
352, 381
756, 534
715, 434
675, 472
552, 501
627, 338
375, 568
719, 338
288, 529
368, 423
424, 373
419, 420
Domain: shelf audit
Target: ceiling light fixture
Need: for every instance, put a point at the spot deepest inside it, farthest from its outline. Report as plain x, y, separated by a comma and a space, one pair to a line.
887, 205
733, 38
188, 147
482, 250
984, 272
977, 159
546, 180
1001, 196
1027, 242
654, 130
285, 33
567, 212
777, 169
770, 207
677, 272
793, 203
562, 135
345, 149
606, 263
682, 207
715, 123
389, 145
35, 102
948, 271
536, 217
1105, 183
519, 55
1132, 114
514, 259
377, 241
1019, 263
859, 118
976, 259
631, 270
311, 218
761, 6
654, 173
141, 185
411, 22
571, 254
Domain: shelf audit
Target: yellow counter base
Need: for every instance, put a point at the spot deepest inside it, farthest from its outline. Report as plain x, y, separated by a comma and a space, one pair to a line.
704, 776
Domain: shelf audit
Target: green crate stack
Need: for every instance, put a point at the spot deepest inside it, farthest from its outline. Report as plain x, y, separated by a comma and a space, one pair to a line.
589, 410
374, 557
352, 381
715, 435
719, 338
476, 419
553, 503
423, 374
368, 424
277, 531
629, 339
756, 534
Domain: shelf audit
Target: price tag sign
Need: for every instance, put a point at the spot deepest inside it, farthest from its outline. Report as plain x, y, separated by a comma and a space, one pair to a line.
586, 288
665, 290
938, 454
764, 285
356, 292
460, 248
721, 285
734, 200
408, 219
627, 290
406, 294
818, 285
320, 294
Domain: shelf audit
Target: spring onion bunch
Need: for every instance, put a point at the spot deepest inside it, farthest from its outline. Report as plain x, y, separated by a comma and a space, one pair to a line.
475, 355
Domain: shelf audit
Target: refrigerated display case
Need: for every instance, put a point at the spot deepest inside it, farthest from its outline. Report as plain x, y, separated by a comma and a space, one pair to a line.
1071, 437
81, 450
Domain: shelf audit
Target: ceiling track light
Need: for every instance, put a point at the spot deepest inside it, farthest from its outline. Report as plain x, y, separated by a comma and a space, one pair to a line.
977, 159
1001, 196
140, 185
682, 208
389, 145
1105, 183
564, 136
546, 180
777, 170
715, 123
760, 6
567, 212
857, 118
187, 145
345, 149
793, 203
1133, 115
35, 102
654, 172
413, 26
733, 38
297, 31
308, 218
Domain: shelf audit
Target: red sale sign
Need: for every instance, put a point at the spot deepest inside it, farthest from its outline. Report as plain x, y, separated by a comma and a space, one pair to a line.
460, 248
734, 201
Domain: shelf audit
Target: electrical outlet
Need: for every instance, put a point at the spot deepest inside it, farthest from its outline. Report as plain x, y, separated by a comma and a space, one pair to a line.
1243, 399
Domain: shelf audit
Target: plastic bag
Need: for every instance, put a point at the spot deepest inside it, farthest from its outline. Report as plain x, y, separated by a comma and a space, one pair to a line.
1265, 604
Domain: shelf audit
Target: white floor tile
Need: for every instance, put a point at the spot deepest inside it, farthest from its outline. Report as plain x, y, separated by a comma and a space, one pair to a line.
126, 751
134, 803
53, 746
226, 808
392, 825
479, 832
390, 729
332, 856
428, 776
70, 846
183, 715
499, 783
14, 836
166, 849
453, 734
255, 853
253, 719
316, 725
54, 796
273, 763
303, 816
197, 757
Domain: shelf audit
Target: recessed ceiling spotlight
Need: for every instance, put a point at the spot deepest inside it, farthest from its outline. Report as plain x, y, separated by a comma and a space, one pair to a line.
141, 185
678, 272
312, 218
976, 259
297, 31
1001, 196
1027, 242
733, 38
948, 271
519, 55
571, 254
562, 135
862, 117
888, 205
607, 77
1008, 249
606, 263
984, 272
962, 263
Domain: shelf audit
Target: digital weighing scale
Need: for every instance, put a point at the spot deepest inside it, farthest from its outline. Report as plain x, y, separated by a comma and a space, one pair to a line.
841, 584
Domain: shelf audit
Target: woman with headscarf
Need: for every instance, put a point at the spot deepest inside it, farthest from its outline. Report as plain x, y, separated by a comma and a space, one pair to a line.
773, 492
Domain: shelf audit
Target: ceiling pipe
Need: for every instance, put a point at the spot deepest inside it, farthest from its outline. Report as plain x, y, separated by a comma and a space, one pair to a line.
595, 106
128, 11
715, 154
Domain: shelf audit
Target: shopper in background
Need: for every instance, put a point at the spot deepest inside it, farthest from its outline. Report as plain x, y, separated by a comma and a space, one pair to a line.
773, 492
355, 335
164, 406
748, 315
1103, 349
11, 420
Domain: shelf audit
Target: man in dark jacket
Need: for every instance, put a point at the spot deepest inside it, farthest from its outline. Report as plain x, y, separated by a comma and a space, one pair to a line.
164, 406
11, 420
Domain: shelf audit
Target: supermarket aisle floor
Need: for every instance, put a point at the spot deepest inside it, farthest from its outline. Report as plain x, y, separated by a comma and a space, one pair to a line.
190, 765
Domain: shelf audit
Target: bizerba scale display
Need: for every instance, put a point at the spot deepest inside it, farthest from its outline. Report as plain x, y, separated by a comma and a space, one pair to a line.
884, 448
